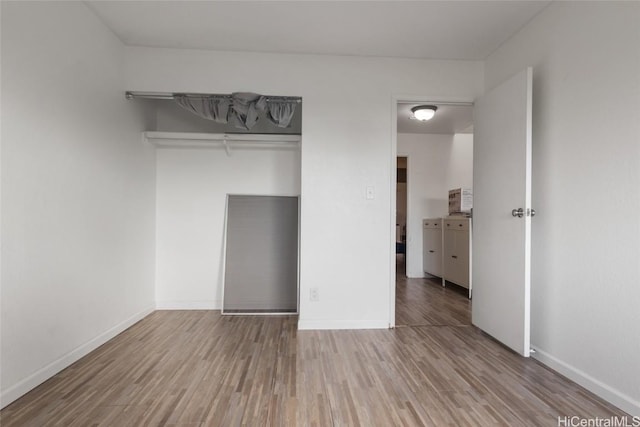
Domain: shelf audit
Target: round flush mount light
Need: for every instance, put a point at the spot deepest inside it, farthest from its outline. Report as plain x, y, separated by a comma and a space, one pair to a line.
424, 112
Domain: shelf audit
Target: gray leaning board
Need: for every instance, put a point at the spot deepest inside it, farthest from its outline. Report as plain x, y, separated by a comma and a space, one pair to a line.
261, 260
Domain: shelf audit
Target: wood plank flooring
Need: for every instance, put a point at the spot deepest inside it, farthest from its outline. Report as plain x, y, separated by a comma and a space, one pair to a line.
425, 302
197, 368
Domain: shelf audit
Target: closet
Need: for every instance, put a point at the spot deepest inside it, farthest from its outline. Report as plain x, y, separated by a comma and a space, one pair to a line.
226, 201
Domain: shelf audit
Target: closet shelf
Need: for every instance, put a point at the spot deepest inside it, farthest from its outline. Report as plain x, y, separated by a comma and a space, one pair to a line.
221, 140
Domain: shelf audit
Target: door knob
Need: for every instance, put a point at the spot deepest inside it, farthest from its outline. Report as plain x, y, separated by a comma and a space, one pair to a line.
518, 212
531, 212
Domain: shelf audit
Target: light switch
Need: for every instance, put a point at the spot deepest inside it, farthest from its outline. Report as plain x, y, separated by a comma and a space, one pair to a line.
371, 193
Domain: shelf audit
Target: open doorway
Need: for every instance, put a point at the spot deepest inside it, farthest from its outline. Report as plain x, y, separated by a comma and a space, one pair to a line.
224, 166
441, 155
401, 216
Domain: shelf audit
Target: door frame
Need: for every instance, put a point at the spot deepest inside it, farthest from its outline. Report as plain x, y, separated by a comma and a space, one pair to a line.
406, 220
395, 99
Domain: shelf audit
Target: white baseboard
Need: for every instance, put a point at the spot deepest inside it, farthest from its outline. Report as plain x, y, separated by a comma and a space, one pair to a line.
189, 305
342, 324
14, 392
414, 275
611, 395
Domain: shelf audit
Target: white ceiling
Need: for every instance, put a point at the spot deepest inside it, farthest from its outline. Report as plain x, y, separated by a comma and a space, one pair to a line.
449, 119
468, 30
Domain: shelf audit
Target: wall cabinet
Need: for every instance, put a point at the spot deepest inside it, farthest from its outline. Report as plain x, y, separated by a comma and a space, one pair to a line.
456, 251
432, 246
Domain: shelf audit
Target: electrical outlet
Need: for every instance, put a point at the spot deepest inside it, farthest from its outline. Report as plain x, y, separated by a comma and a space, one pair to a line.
314, 295
370, 192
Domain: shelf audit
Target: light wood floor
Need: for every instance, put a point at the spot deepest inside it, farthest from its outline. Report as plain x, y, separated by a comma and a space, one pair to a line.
197, 368
425, 302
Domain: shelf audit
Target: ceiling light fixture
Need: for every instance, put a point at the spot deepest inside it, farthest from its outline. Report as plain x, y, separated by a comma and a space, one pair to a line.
424, 112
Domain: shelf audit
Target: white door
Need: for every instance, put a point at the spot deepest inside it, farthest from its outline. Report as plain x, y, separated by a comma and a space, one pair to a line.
502, 212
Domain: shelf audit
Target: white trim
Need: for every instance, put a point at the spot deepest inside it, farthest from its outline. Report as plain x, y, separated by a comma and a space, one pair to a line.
266, 313
224, 251
527, 218
606, 392
43, 374
341, 324
189, 305
392, 237
407, 222
430, 100
299, 245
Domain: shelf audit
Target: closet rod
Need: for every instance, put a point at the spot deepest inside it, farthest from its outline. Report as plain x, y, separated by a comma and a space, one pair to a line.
169, 95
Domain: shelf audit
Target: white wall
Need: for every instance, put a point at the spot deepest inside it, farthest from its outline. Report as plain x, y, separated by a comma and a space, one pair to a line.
460, 162
191, 200
586, 175
77, 193
436, 163
346, 240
